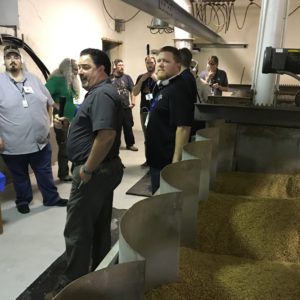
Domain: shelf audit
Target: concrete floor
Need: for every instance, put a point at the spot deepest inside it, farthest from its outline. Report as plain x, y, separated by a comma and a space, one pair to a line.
31, 242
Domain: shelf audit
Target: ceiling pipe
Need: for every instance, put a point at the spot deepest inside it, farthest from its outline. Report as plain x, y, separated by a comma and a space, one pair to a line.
172, 13
273, 18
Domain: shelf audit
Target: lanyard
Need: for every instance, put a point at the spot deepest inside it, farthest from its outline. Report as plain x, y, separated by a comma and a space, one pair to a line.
155, 101
21, 90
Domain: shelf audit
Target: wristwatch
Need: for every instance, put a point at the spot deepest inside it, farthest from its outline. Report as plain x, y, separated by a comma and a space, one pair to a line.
85, 171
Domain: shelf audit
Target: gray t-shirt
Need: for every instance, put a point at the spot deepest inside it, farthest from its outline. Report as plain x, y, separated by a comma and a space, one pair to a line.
101, 109
124, 86
24, 119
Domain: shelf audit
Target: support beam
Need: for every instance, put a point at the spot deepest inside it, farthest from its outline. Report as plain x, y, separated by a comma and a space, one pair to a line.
172, 13
255, 115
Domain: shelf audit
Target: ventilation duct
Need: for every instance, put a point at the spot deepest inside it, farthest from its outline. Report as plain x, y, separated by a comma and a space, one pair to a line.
172, 13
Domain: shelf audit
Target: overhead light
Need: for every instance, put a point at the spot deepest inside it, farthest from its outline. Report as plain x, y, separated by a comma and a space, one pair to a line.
160, 26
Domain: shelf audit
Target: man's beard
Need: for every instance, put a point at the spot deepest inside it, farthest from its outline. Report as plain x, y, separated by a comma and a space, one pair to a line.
162, 75
13, 67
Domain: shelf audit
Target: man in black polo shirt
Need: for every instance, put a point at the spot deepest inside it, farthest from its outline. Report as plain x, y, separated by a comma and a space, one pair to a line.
93, 147
171, 115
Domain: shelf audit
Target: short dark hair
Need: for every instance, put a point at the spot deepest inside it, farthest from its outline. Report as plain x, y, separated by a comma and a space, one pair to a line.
117, 60
151, 57
213, 60
173, 50
99, 57
186, 57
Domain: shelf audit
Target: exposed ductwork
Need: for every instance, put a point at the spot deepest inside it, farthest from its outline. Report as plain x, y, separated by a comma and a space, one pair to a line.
172, 13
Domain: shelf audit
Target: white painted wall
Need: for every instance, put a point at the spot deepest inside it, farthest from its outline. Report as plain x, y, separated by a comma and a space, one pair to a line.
234, 60
56, 29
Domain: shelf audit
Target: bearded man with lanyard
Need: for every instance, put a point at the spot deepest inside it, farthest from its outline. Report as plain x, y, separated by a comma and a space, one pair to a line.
25, 112
171, 115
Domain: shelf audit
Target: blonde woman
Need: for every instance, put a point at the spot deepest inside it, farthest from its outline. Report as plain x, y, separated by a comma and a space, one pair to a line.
63, 82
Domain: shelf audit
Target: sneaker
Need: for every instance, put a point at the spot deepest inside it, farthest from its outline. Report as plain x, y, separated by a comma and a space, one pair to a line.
61, 202
23, 208
132, 148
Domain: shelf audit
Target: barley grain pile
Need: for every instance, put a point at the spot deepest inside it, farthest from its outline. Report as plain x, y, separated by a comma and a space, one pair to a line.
258, 184
248, 243
221, 277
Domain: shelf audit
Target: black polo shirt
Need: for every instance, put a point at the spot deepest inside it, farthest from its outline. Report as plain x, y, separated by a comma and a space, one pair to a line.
101, 109
174, 108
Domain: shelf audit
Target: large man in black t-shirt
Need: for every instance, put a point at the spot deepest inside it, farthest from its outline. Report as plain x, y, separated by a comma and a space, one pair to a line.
93, 147
171, 115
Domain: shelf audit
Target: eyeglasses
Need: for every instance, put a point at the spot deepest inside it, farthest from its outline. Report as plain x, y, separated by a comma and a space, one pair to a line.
211, 64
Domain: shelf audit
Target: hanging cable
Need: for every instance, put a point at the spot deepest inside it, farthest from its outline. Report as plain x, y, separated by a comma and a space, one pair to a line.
245, 15
218, 13
125, 21
294, 10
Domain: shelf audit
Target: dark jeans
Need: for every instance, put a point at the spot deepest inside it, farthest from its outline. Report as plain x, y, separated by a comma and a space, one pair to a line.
62, 158
40, 163
127, 124
89, 210
155, 179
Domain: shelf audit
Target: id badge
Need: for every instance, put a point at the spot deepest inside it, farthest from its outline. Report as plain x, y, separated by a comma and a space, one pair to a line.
149, 96
147, 119
76, 101
28, 89
25, 103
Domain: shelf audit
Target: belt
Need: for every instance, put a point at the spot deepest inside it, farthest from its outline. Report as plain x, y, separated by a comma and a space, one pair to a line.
82, 162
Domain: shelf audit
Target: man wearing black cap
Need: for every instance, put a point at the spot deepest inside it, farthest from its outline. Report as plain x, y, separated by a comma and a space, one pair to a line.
25, 109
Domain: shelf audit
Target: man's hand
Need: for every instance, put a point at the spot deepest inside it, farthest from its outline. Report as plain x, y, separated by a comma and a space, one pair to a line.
210, 76
132, 105
1, 145
153, 76
84, 176
145, 76
60, 122
132, 98
216, 86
